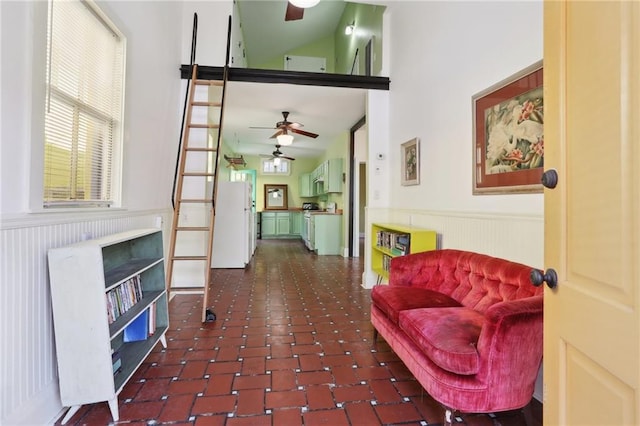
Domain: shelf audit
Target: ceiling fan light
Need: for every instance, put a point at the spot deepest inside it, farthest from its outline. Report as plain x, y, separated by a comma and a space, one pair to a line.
304, 3
276, 163
285, 139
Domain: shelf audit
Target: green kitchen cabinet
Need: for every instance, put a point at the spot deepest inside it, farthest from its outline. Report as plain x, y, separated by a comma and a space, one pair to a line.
296, 223
327, 230
305, 182
277, 225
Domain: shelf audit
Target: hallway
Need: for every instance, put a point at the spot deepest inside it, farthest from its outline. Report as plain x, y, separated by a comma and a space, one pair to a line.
291, 346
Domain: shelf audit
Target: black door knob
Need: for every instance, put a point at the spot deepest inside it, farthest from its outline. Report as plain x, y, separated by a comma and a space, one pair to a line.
550, 179
550, 277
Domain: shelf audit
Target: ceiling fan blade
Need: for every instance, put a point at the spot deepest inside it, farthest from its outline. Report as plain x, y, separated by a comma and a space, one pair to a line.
293, 13
276, 134
304, 133
287, 158
256, 127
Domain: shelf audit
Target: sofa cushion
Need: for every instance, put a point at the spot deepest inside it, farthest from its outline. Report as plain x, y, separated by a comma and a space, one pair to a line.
448, 336
393, 299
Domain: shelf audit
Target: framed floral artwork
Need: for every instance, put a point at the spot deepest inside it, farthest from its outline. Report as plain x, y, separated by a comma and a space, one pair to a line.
508, 134
410, 161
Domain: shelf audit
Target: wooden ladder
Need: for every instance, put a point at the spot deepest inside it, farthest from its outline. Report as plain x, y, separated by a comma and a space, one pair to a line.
195, 187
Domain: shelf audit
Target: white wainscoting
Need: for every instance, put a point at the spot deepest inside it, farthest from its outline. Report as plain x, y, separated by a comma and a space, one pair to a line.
28, 370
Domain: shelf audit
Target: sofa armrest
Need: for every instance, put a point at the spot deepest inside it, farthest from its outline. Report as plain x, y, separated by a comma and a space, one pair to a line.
526, 306
511, 338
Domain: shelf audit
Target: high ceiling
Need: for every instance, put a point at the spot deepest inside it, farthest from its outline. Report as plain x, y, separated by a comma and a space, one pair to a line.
267, 35
327, 111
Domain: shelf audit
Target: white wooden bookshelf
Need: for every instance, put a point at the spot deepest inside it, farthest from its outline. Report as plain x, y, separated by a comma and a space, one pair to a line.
81, 275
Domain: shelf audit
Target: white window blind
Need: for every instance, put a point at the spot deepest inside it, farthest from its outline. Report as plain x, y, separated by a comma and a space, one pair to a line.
85, 73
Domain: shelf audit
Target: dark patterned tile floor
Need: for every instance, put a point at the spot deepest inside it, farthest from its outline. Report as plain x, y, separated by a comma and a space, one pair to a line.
291, 345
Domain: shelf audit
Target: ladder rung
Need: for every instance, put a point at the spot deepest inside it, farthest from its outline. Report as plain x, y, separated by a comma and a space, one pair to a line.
201, 149
207, 104
204, 126
209, 83
196, 200
189, 257
192, 228
198, 174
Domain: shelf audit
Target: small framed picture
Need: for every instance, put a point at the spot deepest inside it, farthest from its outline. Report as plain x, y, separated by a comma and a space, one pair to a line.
410, 158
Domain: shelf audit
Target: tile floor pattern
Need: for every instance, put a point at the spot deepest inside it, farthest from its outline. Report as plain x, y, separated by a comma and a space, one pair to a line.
291, 346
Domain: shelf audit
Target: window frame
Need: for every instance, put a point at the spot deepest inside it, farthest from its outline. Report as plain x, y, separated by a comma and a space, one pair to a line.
276, 172
38, 201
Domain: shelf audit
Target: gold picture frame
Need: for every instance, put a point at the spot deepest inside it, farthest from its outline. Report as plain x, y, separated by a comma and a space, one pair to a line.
276, 197
410, 162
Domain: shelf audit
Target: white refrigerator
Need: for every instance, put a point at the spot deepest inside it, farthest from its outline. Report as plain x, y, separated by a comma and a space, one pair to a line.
234, 236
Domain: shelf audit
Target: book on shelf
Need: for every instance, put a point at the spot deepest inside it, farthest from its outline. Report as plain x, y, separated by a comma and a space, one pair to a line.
123, 297
386, 262
152, 319
138, 329
116, 361
397, 243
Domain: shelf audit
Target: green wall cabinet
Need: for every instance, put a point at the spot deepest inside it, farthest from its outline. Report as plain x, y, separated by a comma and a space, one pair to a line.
306, 185
327, 177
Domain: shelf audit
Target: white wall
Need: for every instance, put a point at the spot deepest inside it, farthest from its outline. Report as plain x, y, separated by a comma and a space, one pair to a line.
153, 109
460, 49
442, 53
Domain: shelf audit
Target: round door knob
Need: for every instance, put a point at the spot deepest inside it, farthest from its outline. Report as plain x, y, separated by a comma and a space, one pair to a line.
550, 179
550, 277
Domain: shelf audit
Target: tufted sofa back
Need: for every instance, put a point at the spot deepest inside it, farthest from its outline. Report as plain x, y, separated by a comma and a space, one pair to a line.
475, 280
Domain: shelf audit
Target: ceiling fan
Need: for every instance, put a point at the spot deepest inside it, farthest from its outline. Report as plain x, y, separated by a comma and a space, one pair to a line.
278, 154
285, 126
295, 9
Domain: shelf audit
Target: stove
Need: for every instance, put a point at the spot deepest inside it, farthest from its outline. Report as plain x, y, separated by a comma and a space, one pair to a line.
310, 206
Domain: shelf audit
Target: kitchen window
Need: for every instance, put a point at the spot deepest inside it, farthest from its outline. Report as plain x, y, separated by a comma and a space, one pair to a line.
276, 166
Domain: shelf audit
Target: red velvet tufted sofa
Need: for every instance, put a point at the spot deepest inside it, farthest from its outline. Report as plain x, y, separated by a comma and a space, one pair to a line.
468, 326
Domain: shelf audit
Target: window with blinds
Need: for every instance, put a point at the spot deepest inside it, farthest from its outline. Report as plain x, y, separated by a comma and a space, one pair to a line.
276, 166
85, 73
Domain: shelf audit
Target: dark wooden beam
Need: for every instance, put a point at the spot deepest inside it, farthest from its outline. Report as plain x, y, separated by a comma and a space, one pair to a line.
289, 77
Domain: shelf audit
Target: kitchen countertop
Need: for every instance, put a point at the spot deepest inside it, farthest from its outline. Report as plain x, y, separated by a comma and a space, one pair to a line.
296, 210
323, 212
